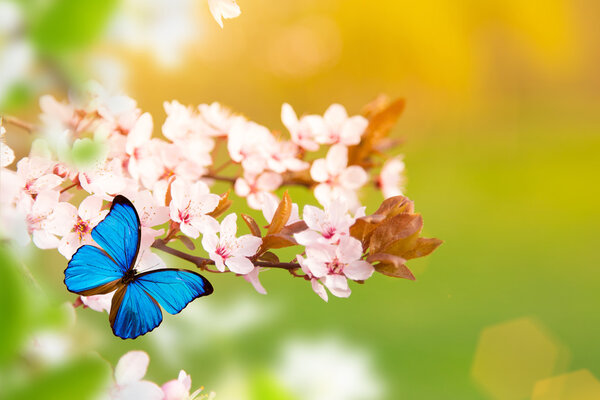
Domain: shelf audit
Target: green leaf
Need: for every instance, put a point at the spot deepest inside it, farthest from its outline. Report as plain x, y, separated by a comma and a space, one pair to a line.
67, 25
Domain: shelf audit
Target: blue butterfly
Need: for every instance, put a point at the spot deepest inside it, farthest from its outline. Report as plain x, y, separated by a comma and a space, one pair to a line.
134, 310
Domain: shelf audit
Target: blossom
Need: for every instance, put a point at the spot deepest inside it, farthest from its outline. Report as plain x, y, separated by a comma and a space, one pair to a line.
391, 178
7, 155
336, 179
189, 206
269, 206
151, 214
217, 119
129, 372
48, 218
179, 389
340, 128
98, 302
303, 130
104, 179
227, 250
251, 145
333, 264
256, 187
327, 226
223, 9
36, 175
137, 139
81, 221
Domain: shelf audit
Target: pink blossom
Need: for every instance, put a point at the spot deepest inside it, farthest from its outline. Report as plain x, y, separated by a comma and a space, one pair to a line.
151, 214
340, 128
189, 206
81, 221
48, 218
333, 265
336, 179
227, 250
7, 155
283, 156
303, 130
137, 141
217, 119
327, 226
251, 145
36, 174
182, 122
223, 9
119, 112
129, 372
99, 302
256, 187
104, 179
269, 206
391, 178
179, 389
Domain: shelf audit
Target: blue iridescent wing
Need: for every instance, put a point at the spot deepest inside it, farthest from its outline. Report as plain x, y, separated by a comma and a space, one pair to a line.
174, 288
92, 271
133, 312
119, 233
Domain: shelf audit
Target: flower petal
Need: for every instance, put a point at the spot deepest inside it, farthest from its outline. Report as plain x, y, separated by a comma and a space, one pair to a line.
239, 265
131, 367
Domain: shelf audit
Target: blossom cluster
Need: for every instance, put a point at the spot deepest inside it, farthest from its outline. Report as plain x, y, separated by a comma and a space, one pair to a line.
92, 149
129, 382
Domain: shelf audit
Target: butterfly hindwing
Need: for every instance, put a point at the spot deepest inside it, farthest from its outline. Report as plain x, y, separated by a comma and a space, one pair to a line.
119, 233
133, 312
90, 269
174, 288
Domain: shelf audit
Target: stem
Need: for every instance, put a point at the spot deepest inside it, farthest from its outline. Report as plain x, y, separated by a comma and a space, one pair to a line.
202, 262
68, 187
220, 178
18, 123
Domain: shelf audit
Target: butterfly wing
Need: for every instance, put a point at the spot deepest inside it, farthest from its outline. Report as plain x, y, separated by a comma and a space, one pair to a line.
92, 271
119, 233
133, 312
174, 288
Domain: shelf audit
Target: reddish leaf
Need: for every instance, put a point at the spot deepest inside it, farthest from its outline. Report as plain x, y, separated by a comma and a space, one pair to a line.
277, 241
391, 265
395, 205
281, 216
296, 227
254, 229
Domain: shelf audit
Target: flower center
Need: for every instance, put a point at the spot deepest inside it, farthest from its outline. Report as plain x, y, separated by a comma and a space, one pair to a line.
335, 267
81, 227
328, 232
223, 251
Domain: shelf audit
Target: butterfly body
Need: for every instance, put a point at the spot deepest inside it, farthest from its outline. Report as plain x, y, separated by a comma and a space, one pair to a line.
110, 268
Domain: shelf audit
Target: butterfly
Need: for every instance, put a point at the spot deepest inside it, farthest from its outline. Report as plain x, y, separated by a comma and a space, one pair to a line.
111, 267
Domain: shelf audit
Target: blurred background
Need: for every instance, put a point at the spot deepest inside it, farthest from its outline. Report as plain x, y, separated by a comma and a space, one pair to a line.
502, 146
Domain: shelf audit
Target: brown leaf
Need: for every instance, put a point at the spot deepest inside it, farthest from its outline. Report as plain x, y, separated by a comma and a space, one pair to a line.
423, 247
254, 229
382, 115
224, 204
168, 197
187, 242
296, 227
395, 205
362, 229
269, 257
396, 232
277, 241
281, 216
391, 265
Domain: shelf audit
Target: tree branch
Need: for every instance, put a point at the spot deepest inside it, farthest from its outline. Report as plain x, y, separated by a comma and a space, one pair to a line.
202, 262
18, 123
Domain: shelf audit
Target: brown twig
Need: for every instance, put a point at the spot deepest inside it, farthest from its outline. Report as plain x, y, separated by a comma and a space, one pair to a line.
202, 262
18, 123
69, 187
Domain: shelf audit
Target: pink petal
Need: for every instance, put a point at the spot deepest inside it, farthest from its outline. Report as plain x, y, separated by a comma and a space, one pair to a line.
319, 289
228, 226
189, 230
131, 367
337, 159
288, 117
335, 115
140, 134
247, 245
90, 207
319, 171
349, 249
141, 390
352, 130
210, 241
358, 270
323, 193
314, 217
337, 285
307, 237
100, 302
252, 277
45, 240
175, 390
241, 187
239, 265
353, 177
